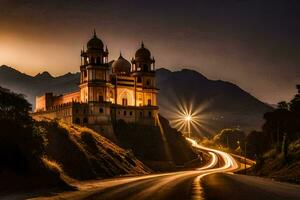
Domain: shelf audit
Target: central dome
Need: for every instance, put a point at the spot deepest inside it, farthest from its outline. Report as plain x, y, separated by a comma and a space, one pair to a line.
143, 53
121, 66
95, 43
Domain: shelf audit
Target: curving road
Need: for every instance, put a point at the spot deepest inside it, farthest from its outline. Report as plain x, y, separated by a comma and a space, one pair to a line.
176, 185
203, 183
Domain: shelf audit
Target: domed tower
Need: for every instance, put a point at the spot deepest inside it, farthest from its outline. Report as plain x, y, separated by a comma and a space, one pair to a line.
143, 69
143, 61
121, 66
94, 79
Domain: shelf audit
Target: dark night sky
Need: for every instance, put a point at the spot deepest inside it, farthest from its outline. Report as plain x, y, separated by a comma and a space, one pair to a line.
254, 44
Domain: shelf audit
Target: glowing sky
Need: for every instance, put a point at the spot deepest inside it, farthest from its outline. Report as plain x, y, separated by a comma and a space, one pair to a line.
254, 44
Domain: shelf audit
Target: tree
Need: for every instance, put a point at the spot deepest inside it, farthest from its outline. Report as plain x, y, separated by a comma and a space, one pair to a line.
256, 144
295, 102
283, 105
21, 142
14, 107
284, 120
230, 138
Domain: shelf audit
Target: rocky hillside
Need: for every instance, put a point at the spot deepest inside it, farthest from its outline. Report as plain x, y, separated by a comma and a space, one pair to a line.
67, 146
93, 155
47, 153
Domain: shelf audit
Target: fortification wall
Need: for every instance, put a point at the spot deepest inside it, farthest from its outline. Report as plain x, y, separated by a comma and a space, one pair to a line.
146, 115
66, 98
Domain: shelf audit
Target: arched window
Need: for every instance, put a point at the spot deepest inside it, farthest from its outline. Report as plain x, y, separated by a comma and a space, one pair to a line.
92, 60
149, 102
148, 82
77, 121
139, 68
98, 61
150, 114
139, 79
85, 120
145, 67
101, 110
124, 101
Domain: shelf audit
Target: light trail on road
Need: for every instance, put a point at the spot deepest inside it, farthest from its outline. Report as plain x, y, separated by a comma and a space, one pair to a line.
175, 185
230, 163
184, 185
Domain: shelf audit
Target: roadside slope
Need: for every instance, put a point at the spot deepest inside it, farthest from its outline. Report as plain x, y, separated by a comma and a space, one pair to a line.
84, 154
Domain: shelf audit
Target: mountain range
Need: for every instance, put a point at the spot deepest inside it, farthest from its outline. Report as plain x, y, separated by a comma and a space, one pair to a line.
218, 104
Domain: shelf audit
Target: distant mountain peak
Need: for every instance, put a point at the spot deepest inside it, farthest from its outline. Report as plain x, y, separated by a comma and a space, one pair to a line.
189, 74
183, 73
8, 68
162, 69
44, 75
4, 66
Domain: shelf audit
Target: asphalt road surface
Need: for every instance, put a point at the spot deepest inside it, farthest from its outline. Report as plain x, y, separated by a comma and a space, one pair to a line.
233, 187
209, 182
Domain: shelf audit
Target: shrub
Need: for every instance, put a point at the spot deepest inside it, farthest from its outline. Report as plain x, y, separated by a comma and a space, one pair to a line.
230, 138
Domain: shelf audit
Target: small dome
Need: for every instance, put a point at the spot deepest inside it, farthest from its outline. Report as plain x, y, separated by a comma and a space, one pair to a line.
95, 43
143, 53
121, 66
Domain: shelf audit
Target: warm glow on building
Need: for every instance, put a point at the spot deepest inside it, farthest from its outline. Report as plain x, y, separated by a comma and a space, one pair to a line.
108, 91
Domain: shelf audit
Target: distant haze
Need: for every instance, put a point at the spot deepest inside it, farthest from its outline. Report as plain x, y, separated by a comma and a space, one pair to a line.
215, 104
254, 44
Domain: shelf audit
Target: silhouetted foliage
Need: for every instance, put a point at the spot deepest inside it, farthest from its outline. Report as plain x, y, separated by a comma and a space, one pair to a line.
21, 142
256, 144
14, 107
230, 138
283, 120
295, 103
282, 125
283, 105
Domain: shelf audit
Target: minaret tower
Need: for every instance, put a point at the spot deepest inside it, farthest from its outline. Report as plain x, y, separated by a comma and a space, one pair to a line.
94, 76
143, 69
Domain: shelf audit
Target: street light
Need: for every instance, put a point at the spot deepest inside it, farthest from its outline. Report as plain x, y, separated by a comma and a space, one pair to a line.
188, 119
245, 156
240, 149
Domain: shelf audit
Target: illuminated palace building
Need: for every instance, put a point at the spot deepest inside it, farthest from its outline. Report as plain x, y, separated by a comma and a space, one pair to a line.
108, 91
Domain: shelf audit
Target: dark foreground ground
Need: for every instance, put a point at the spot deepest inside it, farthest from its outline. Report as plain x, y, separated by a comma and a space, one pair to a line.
207, 182
240, 187
185, 185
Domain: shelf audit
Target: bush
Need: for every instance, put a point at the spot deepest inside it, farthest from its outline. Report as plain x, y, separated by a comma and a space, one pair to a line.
21, 142
230, 138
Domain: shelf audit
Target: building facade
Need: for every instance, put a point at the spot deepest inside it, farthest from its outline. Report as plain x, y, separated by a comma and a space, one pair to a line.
108, 91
